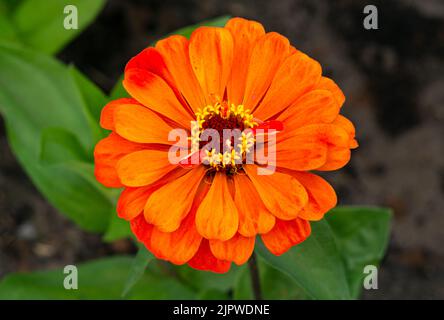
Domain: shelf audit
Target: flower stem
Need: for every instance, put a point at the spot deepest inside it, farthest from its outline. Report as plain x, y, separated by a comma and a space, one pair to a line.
254, 274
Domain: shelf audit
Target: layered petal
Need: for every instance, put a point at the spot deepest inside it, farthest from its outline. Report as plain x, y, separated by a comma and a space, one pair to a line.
328, 84
143, 167
178, 246
150, 60
282, 194
217, 216
321, 196
286, 234
348, 126
237, 249
205, 260
211, 56
142, 230
106, 155
174, 50
168, 206
266, 58
338, 154
245, 34
254, 217
153, 92
139, 124
132, 201
107, 113
297, 75
306, 148
314, 107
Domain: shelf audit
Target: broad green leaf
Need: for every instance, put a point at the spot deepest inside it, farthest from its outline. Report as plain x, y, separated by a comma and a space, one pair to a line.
212, 294
315, 264
37, 93
362, 235
275, 285
99, 279
140, 261
94, 99
118, 228
200, 280
40, 23
8, 6
60, 146
7, 31
119, 91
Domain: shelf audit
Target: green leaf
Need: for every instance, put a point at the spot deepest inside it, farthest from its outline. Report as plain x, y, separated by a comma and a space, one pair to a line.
38, 93
60, 146
140, 262
119, 91
99, 279
315, 264
118, 228
275, 285
212, 294
200, 280
93, 99
7, 31
362, 235
40, 23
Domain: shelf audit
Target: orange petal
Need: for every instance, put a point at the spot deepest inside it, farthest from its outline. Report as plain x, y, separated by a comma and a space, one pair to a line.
153, 92
254, 217
282, 194
328, 84
266, 58
211, 56
286, 234
167, 206
237, 249
348, 126
309, 146
139, 124
107, 114
142, 230
106, 155
297, 153
321, 195
337, 157
143, 167
174, 50
205, 260
297, 75
217, 216
339, 144
245, 34
150, 60
132, 201
178, 246
316, 106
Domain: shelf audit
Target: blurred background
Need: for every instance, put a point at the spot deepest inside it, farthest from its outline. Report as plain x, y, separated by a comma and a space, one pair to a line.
393, 79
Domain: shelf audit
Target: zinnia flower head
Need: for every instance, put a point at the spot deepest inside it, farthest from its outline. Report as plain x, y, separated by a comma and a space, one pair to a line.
208, 212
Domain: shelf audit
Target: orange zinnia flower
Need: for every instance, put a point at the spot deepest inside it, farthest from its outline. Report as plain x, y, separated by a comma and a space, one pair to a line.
239, 76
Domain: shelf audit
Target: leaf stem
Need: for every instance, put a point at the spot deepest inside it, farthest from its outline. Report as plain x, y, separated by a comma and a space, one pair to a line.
254, 274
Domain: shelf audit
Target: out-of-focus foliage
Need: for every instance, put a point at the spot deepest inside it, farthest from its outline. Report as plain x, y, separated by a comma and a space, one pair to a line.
100, 279
336, 253
39, 23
